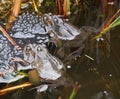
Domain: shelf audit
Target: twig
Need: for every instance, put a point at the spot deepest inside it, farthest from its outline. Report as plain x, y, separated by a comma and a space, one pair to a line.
9, 38
35, 6
3, 91
107, 25
76, 1
76, 87
59, 97
14, 13
111, 19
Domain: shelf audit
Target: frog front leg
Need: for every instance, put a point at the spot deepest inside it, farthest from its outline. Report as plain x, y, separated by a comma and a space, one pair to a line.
76, 53
21, 61
33, 74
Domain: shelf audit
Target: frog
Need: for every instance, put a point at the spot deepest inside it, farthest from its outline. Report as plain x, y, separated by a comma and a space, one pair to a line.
83, 44
61, 27
36, 56
79, 43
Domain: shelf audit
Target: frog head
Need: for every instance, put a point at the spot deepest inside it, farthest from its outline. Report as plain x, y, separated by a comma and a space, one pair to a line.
60, 27
48, 66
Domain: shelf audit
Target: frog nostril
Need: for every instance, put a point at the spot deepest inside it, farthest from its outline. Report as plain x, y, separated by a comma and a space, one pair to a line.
28, 48
39, 48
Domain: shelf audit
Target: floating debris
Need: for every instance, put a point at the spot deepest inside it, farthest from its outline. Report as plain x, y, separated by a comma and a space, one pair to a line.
89, 57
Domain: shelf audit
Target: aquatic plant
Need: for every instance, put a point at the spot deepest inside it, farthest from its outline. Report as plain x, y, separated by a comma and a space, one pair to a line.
76, 87
109, 25
4, 91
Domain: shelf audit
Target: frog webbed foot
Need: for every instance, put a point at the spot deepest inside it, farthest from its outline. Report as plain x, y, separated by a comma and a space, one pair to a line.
75, 54
20, 61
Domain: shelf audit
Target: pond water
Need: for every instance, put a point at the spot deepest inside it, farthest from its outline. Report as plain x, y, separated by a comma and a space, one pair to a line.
103, 81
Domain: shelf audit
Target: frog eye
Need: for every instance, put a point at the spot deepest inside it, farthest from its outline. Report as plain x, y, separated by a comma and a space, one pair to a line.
39, 48
28, 48
55, 19
50, 14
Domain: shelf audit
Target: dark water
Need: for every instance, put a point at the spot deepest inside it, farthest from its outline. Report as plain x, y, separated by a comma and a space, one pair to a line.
102, 81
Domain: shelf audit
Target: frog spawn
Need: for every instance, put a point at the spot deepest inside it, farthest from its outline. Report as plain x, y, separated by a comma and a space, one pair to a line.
7, 69
29, 28
27, 25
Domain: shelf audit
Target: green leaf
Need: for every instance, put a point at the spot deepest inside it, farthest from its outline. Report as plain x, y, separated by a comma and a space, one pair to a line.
116, 22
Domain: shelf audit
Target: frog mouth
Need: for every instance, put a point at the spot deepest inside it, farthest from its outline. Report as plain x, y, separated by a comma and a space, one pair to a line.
66, 31
11, 79
60, 28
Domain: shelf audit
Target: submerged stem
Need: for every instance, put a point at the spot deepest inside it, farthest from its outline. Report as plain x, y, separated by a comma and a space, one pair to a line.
108, 25
8, 37
75, 90
3, 91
